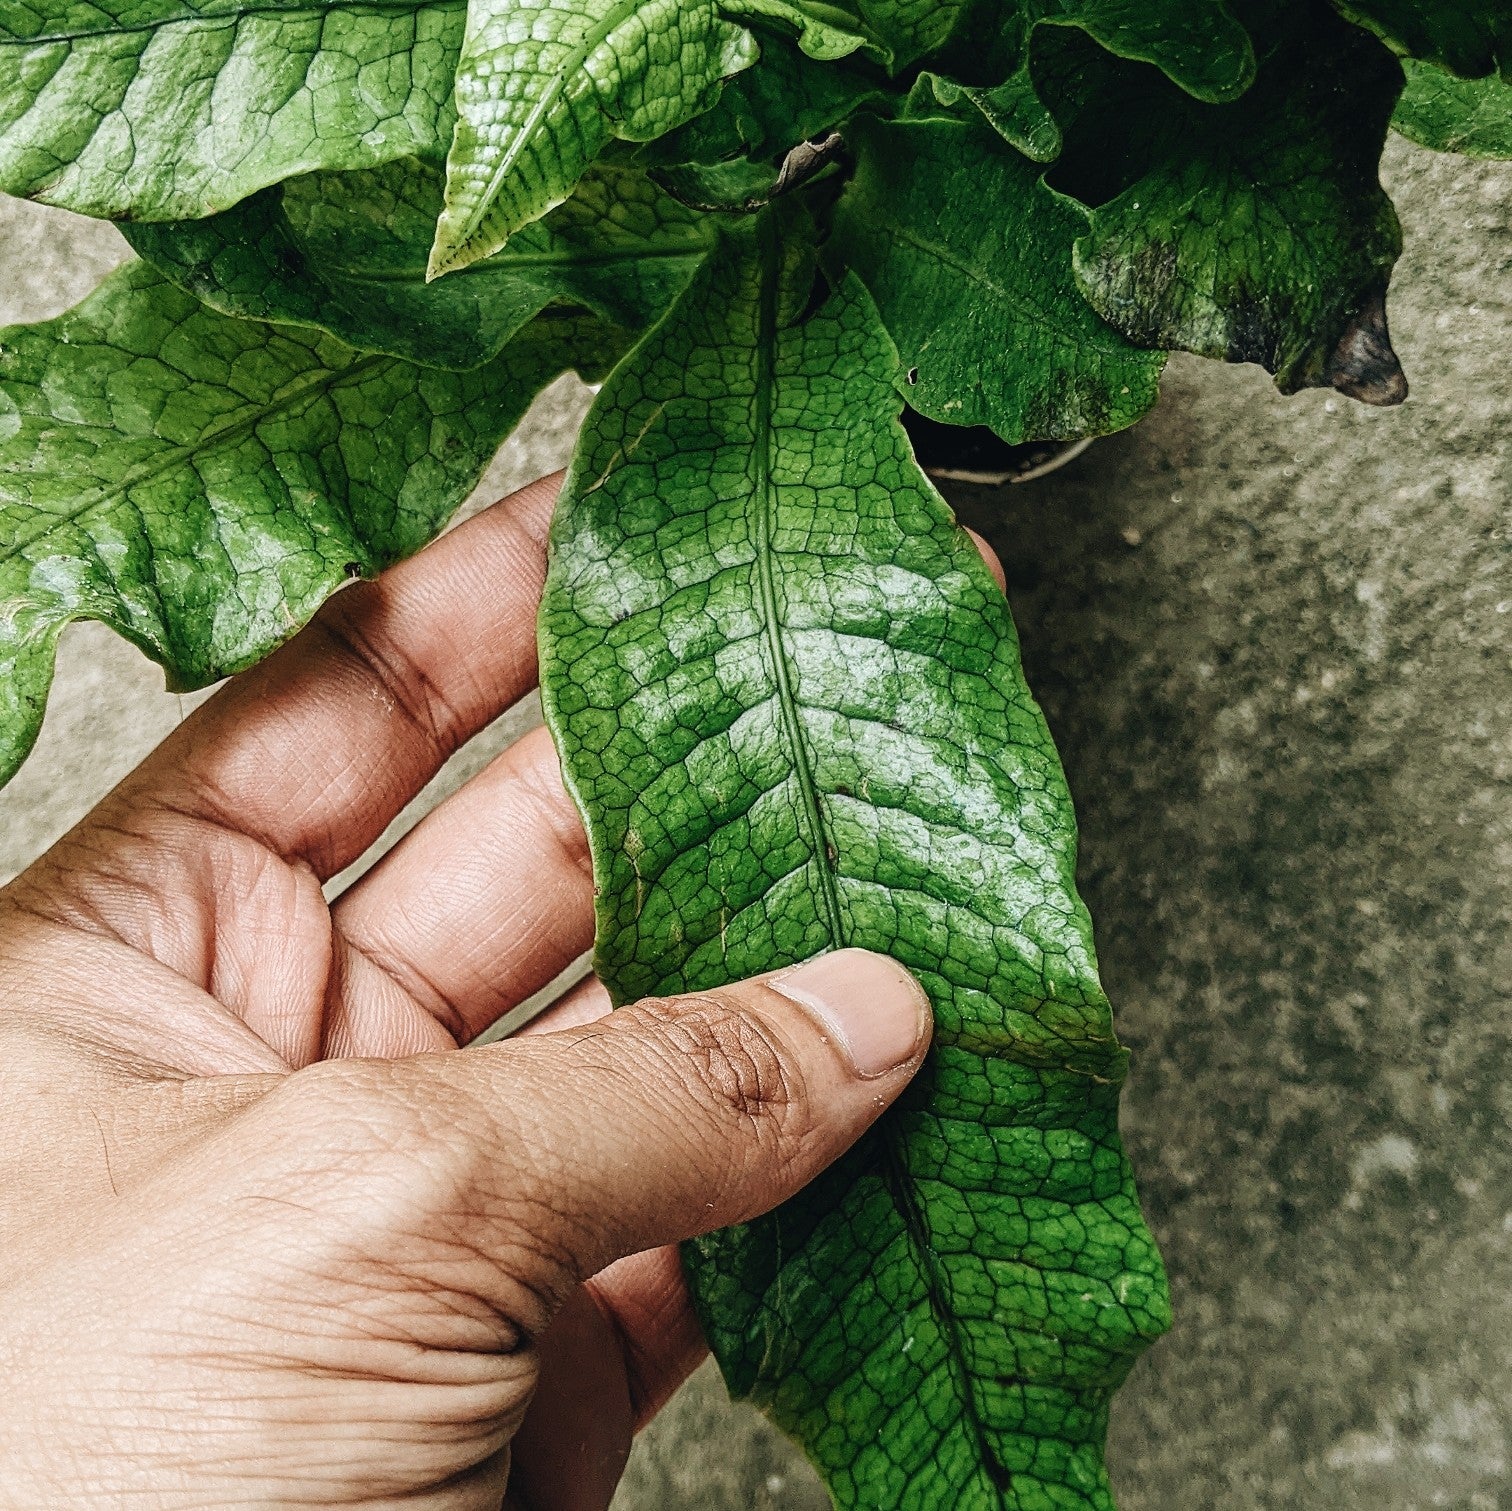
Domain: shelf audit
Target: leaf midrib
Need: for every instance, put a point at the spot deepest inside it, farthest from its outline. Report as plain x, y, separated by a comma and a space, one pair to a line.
528, 260
894, 1169
1032, 313
286, 399
764, 503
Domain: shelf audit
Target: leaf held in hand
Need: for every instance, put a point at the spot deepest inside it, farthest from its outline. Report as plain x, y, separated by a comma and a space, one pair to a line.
788, 699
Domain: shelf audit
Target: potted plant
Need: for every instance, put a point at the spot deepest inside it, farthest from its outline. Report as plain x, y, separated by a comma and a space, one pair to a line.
785, 690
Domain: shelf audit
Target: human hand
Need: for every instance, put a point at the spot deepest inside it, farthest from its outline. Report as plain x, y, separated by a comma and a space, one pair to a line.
268, 1237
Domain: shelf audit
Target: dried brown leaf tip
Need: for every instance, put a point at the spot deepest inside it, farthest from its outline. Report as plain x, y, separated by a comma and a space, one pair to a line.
1363, 365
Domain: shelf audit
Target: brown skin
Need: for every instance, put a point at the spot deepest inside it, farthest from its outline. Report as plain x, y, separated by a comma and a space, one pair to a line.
268, 1237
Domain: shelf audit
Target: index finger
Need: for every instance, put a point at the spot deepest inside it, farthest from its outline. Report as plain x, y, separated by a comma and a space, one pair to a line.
313, 751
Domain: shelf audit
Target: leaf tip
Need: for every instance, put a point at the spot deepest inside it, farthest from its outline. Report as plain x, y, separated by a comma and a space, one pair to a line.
460, 239
442, 258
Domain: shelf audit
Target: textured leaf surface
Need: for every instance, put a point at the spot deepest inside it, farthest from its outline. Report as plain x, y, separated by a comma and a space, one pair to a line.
736, 155
202, 484
968, 257
163, 109
347, 252
1468, 37
907, 29
1013, 109
1256, 231
1471, 116
544, 85
788, 699
1197, 44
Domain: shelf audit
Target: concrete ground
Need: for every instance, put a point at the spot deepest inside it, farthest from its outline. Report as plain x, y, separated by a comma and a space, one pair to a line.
1274, 639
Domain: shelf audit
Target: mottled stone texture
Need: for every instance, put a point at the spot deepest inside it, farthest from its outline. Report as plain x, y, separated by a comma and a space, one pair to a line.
1274, 640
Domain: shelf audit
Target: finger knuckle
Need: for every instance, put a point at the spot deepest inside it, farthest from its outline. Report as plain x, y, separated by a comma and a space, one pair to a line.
734, 1065
350, 1095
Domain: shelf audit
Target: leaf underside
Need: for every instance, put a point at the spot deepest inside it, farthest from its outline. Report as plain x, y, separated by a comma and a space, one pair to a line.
789, 704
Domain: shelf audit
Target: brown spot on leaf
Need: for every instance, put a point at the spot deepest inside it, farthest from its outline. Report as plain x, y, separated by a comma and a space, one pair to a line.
806, 159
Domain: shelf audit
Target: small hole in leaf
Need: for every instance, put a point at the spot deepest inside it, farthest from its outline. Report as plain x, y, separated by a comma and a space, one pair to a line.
913, 375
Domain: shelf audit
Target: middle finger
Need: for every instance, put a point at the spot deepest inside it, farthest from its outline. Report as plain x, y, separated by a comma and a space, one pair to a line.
482, 904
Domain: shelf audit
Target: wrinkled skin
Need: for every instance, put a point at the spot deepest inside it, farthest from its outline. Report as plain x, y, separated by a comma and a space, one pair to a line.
267, 1236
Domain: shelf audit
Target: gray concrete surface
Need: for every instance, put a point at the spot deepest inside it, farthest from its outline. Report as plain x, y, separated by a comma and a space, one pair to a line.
1274, 640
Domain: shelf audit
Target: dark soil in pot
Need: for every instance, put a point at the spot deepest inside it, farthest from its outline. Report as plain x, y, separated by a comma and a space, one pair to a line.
974, 454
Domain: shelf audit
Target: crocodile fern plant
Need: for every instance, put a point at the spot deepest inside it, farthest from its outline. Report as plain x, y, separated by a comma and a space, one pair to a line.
785, 690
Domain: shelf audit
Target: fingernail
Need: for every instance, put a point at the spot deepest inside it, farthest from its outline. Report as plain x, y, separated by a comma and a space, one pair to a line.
872, 1008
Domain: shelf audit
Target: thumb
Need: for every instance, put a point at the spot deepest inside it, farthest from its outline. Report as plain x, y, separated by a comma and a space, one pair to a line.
669, 1118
